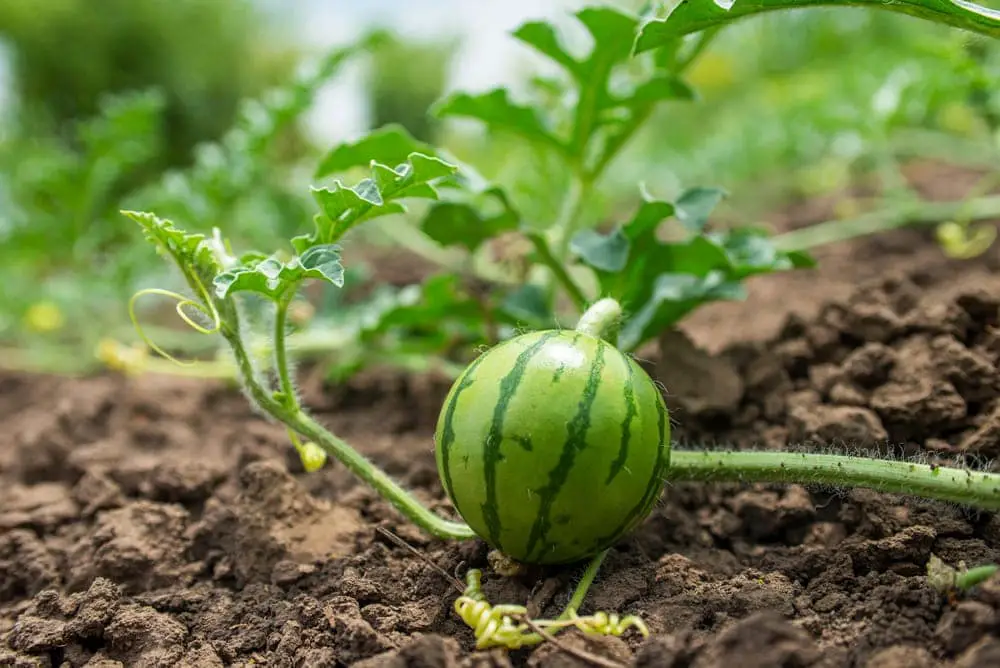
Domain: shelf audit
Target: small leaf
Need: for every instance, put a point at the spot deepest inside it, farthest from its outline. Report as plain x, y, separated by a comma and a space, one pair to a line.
527, 304
694, 207
542, 36
650, 214
390, 145
342, 208
690, 17
460, 224
658, 89
272, 278
673, 297
613, 31
661, 282
497, 111
192, 253
433, 315
323, 263
604, 252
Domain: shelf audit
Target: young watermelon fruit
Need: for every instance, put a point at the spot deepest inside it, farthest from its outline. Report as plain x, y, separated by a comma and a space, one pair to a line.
552, 446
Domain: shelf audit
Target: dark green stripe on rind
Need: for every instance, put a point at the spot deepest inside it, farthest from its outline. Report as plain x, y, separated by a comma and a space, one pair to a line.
653, 488
630, 413
448, 430
491, 449
576, 440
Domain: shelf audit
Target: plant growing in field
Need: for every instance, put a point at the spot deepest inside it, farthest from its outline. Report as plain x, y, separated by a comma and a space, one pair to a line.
535, 426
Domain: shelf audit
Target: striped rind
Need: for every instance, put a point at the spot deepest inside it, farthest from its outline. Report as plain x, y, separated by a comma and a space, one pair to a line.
553, 445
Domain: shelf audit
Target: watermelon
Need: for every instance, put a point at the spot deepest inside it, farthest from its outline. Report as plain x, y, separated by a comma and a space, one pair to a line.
553, 445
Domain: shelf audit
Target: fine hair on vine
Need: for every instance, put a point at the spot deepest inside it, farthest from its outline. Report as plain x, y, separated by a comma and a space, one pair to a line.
874, 451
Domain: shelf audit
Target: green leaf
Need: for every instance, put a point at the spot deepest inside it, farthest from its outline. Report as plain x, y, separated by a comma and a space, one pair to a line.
660, 282
390, 145
690, 17
695, 205
674, 296
613, 31
527, 305
465, 224
543, 38
598, 115
193, 254
431, 316
342, 208
605, 252
235, 167
750, 251
657, 89
272, 278
497, 111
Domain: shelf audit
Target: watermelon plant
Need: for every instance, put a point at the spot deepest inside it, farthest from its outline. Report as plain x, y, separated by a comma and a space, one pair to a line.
553, 443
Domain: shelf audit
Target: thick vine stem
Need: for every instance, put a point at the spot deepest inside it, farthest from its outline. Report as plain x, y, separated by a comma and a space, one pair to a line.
383, 484
298, 421
969, 488
602, 319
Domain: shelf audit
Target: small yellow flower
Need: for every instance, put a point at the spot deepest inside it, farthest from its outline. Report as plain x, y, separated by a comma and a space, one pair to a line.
713, 71
130, 360
44, 316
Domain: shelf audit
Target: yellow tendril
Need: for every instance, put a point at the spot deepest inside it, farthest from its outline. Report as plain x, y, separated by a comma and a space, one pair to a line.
601, 623
495, 625
962, 241
182, 302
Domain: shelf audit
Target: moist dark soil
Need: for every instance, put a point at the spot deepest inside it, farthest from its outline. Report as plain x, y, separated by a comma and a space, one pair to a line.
160, 522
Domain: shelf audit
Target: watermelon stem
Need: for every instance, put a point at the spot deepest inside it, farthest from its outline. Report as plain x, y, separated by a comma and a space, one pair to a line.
602, 320
970, 488
285, 407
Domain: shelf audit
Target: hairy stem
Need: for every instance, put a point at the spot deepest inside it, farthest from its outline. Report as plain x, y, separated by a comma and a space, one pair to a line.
281, 349
602, 320
566, 223
969, 488
908, 213
383, 484
559, 272
298, 421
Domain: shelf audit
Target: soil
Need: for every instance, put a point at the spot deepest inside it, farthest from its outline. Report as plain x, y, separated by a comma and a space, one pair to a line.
160, 522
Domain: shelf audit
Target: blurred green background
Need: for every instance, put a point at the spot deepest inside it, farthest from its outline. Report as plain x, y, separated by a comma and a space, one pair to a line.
135, 106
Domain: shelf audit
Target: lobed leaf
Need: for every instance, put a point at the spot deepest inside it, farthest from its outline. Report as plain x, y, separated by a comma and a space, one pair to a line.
690, 16
673, 296
660, 282
193, 254
464, 224
390, 144
342, 207
597, 109
272, 278
498, 112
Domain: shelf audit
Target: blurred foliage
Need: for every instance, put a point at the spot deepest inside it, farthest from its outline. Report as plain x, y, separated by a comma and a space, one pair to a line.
67, 260
203, 55
789, 105
405, 79
806, 103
